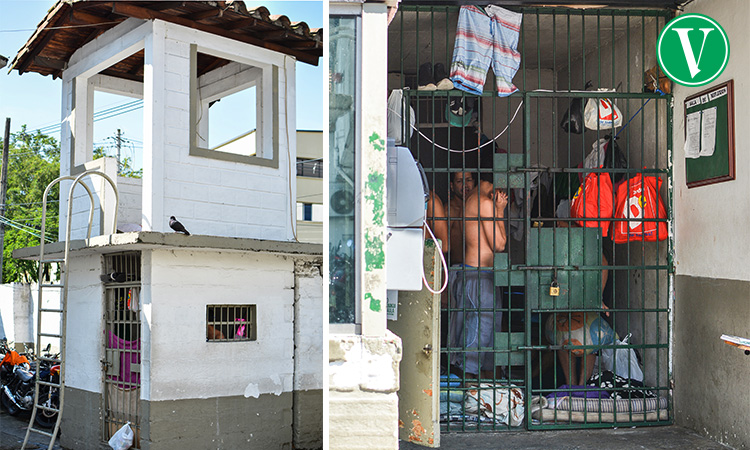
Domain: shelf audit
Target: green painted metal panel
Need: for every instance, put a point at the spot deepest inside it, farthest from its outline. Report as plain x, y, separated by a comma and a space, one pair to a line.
506, 349
504, 276
568, 250
504, 167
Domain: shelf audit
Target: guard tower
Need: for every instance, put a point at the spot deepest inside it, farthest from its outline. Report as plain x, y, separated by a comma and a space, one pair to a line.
212, 339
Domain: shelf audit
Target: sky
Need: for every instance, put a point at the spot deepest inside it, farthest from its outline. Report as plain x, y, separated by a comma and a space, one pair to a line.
35, 100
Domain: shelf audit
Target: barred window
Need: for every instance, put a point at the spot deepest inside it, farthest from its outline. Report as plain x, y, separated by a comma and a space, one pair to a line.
230, 323
310, 167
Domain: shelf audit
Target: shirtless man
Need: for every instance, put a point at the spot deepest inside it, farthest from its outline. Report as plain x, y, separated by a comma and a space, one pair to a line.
437, 220
462, 183
476, 319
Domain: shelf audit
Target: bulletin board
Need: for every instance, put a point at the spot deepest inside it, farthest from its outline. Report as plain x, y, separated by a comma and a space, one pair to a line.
709, 136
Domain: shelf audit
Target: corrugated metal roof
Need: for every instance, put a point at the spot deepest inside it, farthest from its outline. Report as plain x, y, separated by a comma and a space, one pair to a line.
70, 24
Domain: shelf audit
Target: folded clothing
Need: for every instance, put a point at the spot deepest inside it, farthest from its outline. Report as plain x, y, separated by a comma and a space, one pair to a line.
579, 392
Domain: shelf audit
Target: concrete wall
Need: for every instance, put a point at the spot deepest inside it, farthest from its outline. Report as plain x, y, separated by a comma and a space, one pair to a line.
267, 392
85, 325
308, 355
129, 211
17, 313
187, 281
363, 376
713, 282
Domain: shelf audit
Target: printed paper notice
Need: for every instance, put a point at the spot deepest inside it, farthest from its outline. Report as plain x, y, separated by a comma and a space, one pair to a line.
708, 132
693, 135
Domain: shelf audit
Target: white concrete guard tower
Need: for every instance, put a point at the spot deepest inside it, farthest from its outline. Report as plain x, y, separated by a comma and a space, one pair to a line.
212, 340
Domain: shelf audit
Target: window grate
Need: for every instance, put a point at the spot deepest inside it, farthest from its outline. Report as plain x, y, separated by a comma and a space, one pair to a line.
122, 344
231, 323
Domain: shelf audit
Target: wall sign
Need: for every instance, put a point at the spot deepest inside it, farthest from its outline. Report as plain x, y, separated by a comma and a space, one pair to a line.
709, 136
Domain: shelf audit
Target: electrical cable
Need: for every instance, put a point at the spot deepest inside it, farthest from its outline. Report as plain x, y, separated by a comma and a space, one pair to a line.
470, 149
292, 209
442, 259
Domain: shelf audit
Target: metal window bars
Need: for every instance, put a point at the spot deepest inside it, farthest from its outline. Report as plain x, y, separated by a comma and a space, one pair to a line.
529, 156
231, 323
122, 344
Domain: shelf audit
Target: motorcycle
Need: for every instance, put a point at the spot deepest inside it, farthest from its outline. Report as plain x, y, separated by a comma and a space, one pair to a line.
18, 382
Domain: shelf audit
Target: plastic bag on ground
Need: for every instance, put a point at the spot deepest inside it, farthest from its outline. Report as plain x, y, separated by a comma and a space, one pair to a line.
122, 439
622, 361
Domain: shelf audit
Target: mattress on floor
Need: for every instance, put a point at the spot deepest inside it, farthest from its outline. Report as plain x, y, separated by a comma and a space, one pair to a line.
590, 410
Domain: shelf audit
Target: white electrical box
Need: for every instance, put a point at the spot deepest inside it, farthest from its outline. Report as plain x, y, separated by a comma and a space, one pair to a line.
406, 206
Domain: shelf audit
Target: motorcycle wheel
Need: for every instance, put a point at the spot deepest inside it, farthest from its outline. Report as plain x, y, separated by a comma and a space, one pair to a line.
44, 418
13, 410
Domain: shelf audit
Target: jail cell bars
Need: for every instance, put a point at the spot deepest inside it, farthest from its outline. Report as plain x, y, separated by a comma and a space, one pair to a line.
513, 320
122, 342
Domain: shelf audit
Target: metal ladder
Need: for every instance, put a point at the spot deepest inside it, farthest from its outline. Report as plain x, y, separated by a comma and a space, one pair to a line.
60, 312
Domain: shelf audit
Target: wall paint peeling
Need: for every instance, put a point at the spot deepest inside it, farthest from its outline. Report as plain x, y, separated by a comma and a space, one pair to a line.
375, 304
377, 142
375, 254
375, 183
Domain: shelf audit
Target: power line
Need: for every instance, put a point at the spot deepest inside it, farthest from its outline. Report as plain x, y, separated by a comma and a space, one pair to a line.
103, 114
26, 229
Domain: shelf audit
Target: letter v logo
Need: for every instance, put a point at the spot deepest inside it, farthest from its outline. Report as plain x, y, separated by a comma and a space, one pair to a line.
688, 50
692, 50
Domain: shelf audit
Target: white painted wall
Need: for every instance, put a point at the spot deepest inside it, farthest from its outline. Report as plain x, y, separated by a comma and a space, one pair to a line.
16, 317
308, 333
103, 195
211, 196
84, 328
711, 239
131, 190
18, 313
178, 284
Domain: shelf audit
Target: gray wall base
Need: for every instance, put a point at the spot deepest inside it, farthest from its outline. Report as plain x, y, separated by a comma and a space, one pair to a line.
227, 423
711, 377
308, 420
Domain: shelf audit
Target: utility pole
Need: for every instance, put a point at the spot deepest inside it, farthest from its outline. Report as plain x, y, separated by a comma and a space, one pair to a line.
119, 146
3, 190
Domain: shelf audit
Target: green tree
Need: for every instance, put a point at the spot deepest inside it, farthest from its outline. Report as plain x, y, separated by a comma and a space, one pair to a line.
34, 162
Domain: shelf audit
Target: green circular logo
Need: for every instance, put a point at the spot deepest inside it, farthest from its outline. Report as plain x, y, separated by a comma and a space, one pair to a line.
692, 49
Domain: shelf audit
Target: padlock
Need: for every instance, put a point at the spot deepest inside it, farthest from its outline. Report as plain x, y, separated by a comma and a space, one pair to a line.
554, 289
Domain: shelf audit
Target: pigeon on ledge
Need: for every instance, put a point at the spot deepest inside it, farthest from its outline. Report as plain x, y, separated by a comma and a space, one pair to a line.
177, 226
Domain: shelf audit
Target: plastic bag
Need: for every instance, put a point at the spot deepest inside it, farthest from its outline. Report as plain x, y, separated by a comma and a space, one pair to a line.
638, 198
593, 200
122, 439
503, 404
573, 119
601, 114
396, 117
622, 361
606, 153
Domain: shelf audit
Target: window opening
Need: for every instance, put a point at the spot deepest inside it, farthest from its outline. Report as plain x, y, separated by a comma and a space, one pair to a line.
232, 125
118, 131
233, 109
310, 167
231, 323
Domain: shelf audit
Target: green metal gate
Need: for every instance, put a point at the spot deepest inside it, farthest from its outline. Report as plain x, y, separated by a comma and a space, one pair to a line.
554, 278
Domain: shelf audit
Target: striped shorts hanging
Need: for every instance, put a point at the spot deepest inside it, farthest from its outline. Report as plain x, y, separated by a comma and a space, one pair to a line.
484, 38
